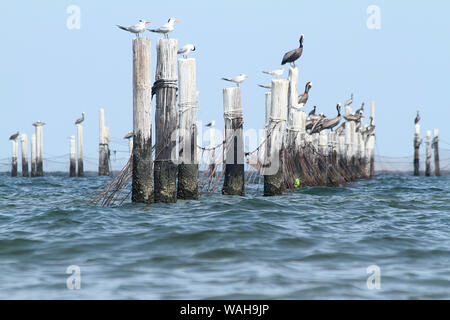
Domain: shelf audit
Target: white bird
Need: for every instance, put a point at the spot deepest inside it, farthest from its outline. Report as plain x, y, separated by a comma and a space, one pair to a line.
186, 50
237, 80
275, 73
166, 28
137, 28
211, 124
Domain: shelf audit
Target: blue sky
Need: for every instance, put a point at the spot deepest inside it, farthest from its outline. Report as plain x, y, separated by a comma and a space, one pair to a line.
51, 73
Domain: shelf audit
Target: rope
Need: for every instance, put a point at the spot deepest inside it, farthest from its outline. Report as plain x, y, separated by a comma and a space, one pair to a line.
163, 83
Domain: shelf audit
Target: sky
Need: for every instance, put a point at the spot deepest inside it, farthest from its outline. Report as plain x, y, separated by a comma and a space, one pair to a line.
52, 73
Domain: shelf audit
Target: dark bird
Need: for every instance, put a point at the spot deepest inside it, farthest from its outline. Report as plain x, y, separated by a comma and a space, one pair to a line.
360, 110
331, 123
129, 135
417, 119
314, 121
38, 123
211, 124
349, 101
313, 112
80, 120
353, 117
370, 129
303, 98
14, 136
293, 55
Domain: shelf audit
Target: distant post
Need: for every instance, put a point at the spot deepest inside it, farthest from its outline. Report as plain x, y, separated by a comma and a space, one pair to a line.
103, 161
165, 169
437, 168
24, 145
142, 184
417, 143
80, 150
428, 155
39, 149
72, 165
15, 149
33, 155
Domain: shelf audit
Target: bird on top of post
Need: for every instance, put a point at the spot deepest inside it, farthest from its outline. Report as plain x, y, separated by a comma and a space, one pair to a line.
14, 136
184, 51
137, 29
80, 120
166, 28
237, 80
417, 119
293, 55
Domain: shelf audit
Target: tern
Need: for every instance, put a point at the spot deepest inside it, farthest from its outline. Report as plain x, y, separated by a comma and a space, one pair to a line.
80, 120
294, 55
275, 73
237, 80
166, 28
137, 28
186, 50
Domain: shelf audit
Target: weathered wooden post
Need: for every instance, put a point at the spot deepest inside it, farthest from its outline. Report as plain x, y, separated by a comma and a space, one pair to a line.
428, 155
296, 118
103, 156
417, 142
212, 152
234, 182
24, 145
187, 157
33, 155
142, 185
371, 143
437, 167
273, 168
72, 165
39, 149
80, 150
130, 146
15, 149
166, 121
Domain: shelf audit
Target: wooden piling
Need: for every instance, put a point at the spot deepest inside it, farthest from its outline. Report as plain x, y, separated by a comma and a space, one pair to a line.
187, 156
234, 182
273, 167
417, 143
33, 155
212, 152
103, 150
39, 150
15, 149
142, 185
24, 145
296, 117
80, 167
130, 146
428, 155
73, 163
371, 143
437, 167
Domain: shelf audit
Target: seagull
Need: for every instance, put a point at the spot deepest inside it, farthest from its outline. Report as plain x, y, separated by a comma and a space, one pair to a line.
14, 136
275, 73
237, 80
211, 124
349, 101
137, 28
303, 98
293, 55
313, 112
129, 135
166, 28
416, 121
186, 50
265, 86
80, 120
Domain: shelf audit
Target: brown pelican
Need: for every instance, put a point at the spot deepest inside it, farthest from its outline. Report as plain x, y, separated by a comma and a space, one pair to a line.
360, 110
184, 51
370, 129
14, 136
137, 28
237, 80
353, 117
166, 28
416, 121
293, 55
129, 135
211, 124
275, 73
80, 120
313, 112
340, 130
349, 101
314, 121
331, 123
303, 98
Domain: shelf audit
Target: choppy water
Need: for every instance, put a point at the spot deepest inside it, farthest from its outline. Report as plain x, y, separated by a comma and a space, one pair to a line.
315, 244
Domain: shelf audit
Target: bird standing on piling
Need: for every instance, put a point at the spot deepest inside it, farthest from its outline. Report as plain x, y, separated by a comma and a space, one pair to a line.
237, 80
14, 136
80, 120
293, 55
360, 110
166, 28
303, 98
417, 119
137, 28
313, 111
186, 50
275, 73
38, 123
349, 101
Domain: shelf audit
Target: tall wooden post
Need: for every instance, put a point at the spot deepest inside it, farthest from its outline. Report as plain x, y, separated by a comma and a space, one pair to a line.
437, 167
187, 157
80, 167
15, 149
33, 155
212, 152
130, 146
165, 169
428, 155
371, 142
273, 167
103, 160
234, 183
39, 149
24, 145
417, 143
142, 185
72, 160
296, 118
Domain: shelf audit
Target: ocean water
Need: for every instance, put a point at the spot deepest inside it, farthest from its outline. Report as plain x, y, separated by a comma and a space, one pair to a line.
316, 243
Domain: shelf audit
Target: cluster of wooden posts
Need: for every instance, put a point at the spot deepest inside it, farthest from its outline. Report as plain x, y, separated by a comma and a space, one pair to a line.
289, 156
36, 153
430, 144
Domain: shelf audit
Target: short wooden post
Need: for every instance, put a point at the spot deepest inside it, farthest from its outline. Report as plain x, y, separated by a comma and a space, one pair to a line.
80, 167
234, 182
103, 156
417, 143
15, 149
33, 155
165, 169
142, 184
273, 167
73, 162
24, 145
187, 156
437, 167
39, 150
428, 155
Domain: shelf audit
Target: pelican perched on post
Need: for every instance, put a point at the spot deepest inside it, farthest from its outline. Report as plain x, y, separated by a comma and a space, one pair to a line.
331, 123
166, 28
184, 51
14, 136
354, 117
80, 120
360, 110
293, 55
303, 98
349, 101
137, 28
370, 129
417, 119
313, 112
237, 80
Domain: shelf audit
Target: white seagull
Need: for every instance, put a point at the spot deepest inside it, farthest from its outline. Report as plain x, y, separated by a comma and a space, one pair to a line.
166, 28
237, 80
275, 73
137, 28
186, 50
